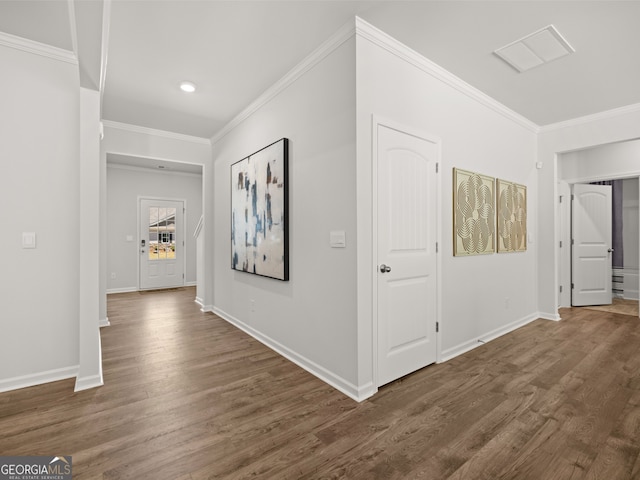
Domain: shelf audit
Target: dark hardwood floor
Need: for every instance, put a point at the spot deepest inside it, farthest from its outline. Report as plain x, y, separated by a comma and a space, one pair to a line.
188, 396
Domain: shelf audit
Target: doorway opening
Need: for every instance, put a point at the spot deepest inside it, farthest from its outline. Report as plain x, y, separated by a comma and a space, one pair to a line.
607, 164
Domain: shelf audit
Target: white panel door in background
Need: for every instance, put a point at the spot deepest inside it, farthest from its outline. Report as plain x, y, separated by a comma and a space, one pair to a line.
591, 250
406, 236
161, 243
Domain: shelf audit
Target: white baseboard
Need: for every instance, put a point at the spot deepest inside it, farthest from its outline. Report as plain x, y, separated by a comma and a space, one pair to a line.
122, 290
86, 383
356, 393
104, 322
190, 284
208, 309
549, 316
464, 347
38, 378
200, 302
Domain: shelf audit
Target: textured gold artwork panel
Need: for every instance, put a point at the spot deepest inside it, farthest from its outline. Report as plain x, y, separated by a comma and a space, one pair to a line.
512, 217
473, 213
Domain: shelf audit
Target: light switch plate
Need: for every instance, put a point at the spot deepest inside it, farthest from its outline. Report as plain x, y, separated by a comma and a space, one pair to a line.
337, 239
28, 240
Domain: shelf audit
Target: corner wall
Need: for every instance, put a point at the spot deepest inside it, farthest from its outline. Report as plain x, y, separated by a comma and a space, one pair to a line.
483, 296
39, 178
312, 318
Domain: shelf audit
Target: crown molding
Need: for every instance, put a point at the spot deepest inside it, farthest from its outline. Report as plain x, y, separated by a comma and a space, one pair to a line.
157, 133
315, 57
400, 50
607, 114
37, 48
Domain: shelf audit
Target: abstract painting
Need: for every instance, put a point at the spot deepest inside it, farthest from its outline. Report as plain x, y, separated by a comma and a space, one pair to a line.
259, 196
473, 213
512, 217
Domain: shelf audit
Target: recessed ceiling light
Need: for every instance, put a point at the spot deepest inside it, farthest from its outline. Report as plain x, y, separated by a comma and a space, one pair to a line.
188, 87
535, 49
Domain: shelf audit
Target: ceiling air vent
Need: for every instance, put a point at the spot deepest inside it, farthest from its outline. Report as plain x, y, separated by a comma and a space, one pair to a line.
535, 49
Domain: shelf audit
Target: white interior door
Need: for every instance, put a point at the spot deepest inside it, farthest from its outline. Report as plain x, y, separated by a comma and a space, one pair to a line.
406, 239
161, 243
591, 250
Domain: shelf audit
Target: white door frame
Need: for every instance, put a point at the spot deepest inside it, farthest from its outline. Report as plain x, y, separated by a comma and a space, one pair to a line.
378, 120
184, 232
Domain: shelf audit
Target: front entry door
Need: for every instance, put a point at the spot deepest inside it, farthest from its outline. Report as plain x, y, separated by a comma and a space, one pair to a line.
406, 267
161, 243
591, 251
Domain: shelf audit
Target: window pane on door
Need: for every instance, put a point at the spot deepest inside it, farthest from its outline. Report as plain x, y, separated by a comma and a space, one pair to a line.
162, 233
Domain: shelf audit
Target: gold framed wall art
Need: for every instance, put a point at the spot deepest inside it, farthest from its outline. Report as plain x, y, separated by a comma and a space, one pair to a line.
512, 216
474, 214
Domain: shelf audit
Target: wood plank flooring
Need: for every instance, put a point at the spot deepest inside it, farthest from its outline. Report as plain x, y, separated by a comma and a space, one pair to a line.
189, 397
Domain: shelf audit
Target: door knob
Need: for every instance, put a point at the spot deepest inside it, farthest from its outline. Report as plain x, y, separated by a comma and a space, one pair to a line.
385, 268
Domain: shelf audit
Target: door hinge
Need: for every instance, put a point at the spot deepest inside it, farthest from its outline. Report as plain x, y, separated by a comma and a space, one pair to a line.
572, 241
436, 247
437, 167
572, 286
560, 288
437, 327
184, 210
560, 243
560, 199
573, 197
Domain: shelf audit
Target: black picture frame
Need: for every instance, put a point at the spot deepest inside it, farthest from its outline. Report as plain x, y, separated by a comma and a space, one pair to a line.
259, 212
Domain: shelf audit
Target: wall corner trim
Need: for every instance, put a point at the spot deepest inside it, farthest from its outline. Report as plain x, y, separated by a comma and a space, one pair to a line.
549, 316
157, 133
315, 57
37, 48
104, 322
378, 37
356, 393
85, 383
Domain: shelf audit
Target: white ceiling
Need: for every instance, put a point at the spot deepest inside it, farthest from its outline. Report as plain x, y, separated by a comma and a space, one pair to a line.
234, 50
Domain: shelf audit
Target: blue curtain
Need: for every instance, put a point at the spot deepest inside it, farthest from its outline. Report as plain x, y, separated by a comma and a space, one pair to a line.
616, 206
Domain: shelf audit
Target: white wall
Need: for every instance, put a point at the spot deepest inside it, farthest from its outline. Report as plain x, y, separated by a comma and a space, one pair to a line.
606, 128
603, 162
323, 317
481, 296
39, 181
312, 317
124, 187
